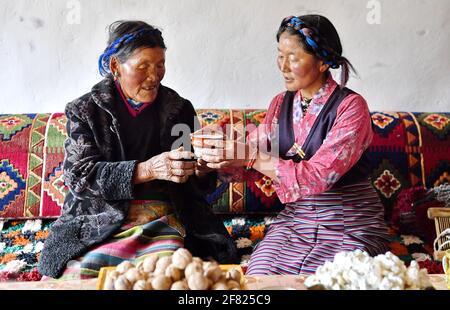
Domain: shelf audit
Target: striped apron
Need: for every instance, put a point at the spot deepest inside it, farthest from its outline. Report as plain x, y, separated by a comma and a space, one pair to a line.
312, 230
151, 227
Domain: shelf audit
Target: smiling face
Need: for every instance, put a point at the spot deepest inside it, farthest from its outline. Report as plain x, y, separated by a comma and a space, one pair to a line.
301, 70
141, 74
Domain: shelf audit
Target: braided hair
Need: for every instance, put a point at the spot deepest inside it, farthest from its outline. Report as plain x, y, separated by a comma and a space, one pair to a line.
318, 37
124, 38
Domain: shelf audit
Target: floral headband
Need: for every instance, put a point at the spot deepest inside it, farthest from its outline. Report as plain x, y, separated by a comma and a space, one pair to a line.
308, 33
103, 61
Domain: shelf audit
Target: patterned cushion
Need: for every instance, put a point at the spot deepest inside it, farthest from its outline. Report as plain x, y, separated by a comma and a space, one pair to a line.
244, 197
31, 153
409, 149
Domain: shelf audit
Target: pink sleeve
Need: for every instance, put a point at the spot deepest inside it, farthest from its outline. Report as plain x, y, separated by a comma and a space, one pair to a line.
349, 137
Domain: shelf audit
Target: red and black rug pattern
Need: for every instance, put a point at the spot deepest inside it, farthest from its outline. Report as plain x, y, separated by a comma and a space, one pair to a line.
408, 150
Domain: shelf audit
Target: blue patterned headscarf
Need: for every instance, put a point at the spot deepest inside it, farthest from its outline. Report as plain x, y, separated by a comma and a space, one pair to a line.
312, 38
113, 48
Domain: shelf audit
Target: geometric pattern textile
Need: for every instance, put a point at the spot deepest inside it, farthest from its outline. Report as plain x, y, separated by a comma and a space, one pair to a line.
10, 125
21, 147
23, 155
240, 197
54, 188
12, 185
408, 150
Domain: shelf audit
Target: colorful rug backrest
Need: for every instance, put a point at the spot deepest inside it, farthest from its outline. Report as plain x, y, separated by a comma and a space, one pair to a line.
31, 155
409, 149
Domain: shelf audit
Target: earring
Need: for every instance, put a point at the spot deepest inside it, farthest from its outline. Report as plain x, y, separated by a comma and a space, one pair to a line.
116, 75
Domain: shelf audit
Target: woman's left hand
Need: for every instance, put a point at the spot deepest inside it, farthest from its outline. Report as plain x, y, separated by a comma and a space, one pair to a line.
218, 154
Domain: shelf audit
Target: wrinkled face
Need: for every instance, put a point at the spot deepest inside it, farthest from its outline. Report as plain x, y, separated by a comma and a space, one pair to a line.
300, 69
142, 73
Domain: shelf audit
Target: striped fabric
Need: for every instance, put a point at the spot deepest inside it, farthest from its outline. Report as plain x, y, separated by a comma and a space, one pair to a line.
312, 230
150, 228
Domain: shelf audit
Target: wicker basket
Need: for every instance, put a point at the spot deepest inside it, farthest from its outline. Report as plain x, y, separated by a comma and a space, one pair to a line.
441, 217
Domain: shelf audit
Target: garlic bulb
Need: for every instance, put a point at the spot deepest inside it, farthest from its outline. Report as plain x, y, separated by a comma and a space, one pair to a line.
124, 266
197, 260
162, 264
109, 283
220, 286
149, 283
192, 268
181, 258
133, 275
114, 274
212, 272
174, 273
180, 285
233, 285
149, 263
122, 283
234, 274
142, 285
197, 281
209, 264
161, 282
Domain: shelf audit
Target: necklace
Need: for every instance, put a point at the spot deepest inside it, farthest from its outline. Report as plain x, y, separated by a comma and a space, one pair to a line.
305, 104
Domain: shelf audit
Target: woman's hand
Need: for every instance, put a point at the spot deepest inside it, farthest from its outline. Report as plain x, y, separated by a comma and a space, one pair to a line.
201, 169
218, 154
167, 166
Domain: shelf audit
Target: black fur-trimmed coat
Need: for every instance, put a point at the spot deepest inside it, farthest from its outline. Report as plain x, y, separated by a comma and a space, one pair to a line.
100, 183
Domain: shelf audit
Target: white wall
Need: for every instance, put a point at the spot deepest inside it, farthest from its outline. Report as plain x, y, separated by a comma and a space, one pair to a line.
221, 53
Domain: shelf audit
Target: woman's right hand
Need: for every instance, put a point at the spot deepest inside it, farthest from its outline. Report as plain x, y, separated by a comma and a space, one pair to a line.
218, 154
217, 150
167, 166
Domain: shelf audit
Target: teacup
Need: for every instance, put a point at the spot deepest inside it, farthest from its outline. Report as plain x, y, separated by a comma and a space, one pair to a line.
446, 266
198, 139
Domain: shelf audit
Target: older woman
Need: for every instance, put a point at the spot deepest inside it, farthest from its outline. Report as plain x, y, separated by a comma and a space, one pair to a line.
317, 132
132, 193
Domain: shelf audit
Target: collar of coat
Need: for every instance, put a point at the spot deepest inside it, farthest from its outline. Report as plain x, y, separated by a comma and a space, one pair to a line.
103, 95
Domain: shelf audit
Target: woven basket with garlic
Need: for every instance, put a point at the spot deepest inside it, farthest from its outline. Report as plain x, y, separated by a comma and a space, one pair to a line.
180, 271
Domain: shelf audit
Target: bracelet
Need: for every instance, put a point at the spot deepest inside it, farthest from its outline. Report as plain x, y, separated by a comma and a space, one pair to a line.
252, 160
